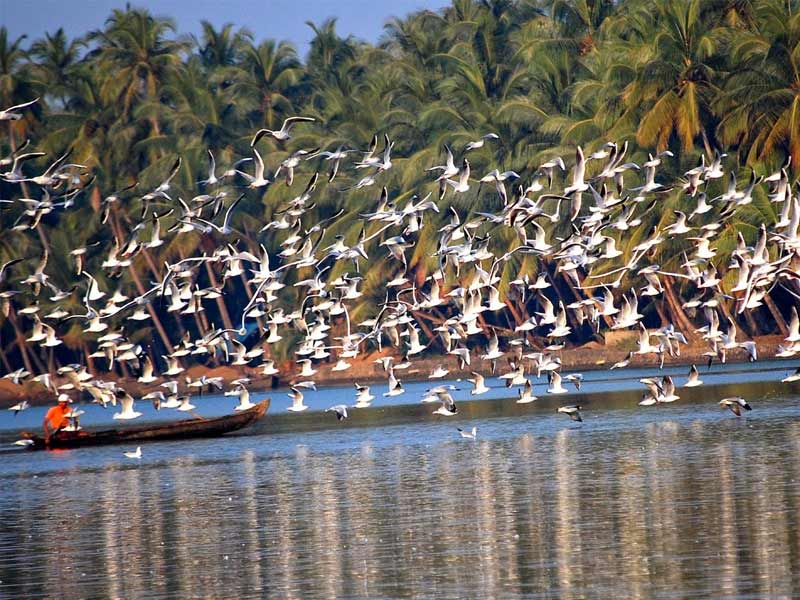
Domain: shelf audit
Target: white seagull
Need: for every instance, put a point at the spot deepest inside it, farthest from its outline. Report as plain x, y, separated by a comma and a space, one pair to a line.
340, 410
10, 114
283, 133
736, 404
19, 406
526, 393
297, 401
573, 412
126, 402
363, 397
135, 454
470, 435
555, 384
244, 397
479, 143
448, 407
694, 378
479, 383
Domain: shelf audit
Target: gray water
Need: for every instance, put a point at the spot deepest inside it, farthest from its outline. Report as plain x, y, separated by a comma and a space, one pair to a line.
676, 501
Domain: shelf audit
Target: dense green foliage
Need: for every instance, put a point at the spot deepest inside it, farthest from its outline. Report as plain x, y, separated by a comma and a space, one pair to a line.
689, 76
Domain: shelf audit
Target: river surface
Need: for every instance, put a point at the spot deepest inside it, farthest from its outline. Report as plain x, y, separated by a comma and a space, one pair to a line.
673, 501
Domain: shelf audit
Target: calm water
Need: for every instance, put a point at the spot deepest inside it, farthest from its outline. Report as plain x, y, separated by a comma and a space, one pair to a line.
674, 501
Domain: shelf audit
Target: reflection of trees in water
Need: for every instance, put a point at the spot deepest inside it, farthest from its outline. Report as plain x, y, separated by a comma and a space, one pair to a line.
670, 506
279, 545
665, 477
723, 520
631, 524
250, 537
567, 515
772, 536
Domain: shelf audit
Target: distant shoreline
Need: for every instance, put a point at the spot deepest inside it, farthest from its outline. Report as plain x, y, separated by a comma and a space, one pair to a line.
591, 356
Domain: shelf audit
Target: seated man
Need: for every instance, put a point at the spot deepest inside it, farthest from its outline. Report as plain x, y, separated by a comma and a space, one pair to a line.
56, 418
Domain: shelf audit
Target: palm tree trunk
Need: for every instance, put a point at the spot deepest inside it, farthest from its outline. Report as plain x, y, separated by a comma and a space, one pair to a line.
570, 317
706, 144
87, 354
662, 314
20, 340
606, 319
3, 359
675, 311
776, 314
424, 326
123, 369
223, 310
249, 293
140, 288
51, 362
201, 332
43, 237
751, 322
518, 318
151, 311
151, 264
26, 192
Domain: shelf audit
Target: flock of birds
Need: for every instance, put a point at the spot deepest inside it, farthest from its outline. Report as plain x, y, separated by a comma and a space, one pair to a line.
596, 199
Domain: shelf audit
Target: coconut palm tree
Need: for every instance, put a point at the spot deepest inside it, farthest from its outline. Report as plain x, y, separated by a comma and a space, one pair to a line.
16, 85
54, 61
677, 76
761, 105
263, 80
546, 75
223, 47
135, 57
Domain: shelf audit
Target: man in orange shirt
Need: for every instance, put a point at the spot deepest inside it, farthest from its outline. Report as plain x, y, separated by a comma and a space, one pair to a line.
56, 417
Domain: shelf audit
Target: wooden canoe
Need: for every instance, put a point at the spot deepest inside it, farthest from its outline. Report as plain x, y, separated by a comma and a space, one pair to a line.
191, 428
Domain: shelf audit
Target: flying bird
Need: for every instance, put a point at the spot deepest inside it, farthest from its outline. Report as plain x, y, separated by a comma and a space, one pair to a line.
340, 410
283, 133
736, 404
573, 412
11, 113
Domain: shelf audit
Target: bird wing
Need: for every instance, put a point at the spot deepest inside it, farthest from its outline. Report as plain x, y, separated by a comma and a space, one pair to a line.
291, 120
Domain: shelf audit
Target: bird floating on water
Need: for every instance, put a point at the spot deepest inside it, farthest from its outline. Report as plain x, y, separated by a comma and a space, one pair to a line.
135, 454
470, 435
